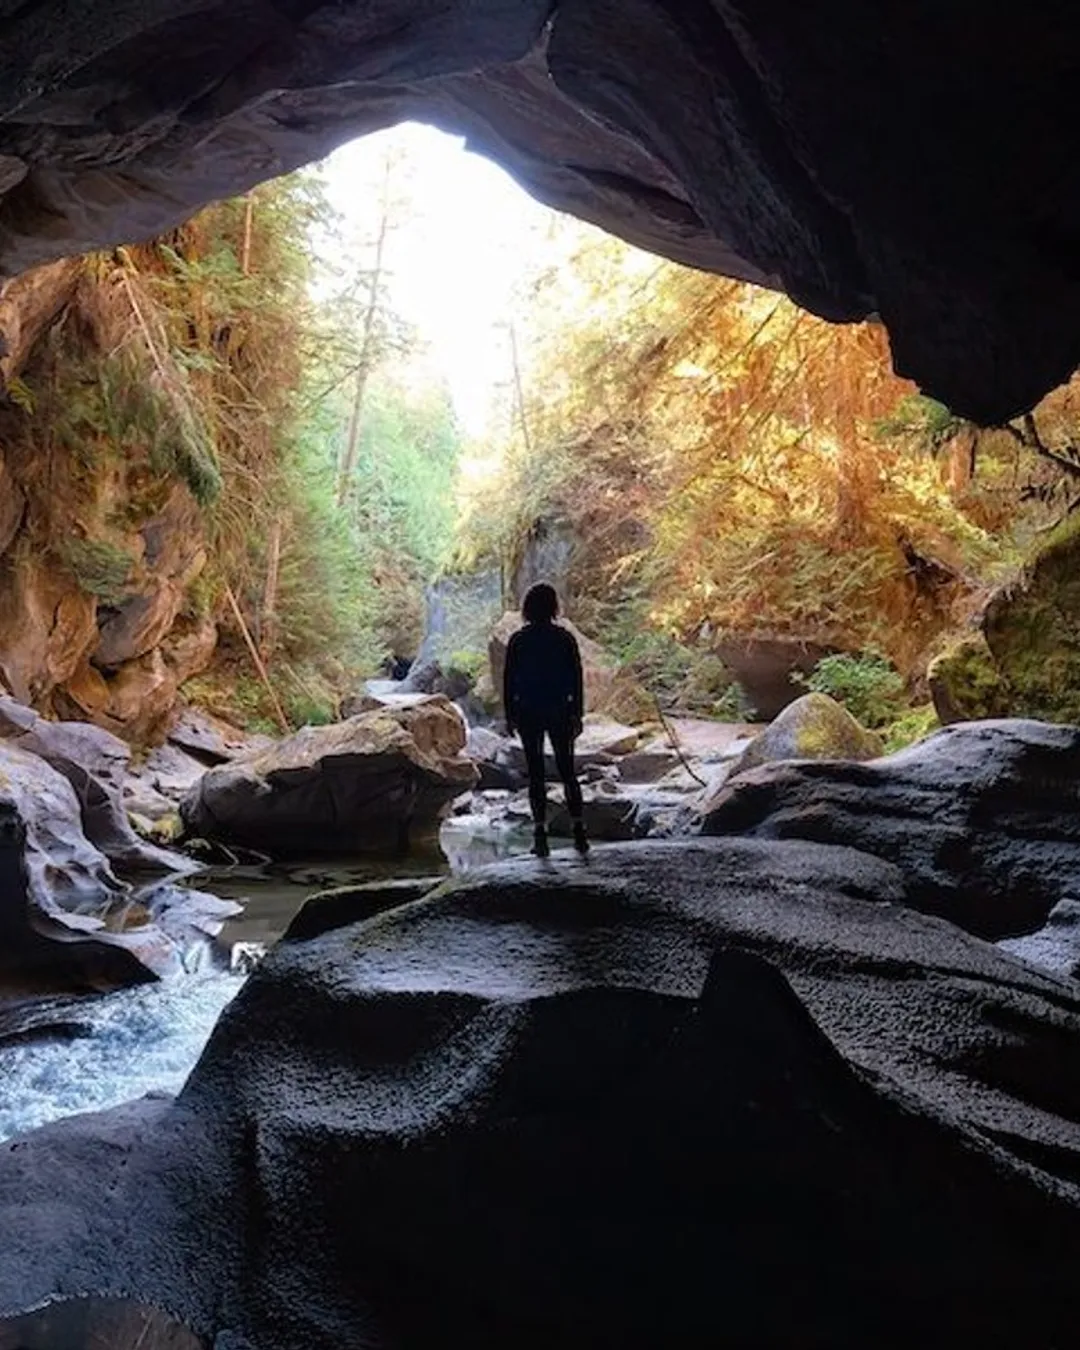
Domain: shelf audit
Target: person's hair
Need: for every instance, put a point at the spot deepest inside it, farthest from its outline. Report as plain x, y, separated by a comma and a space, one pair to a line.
541, 604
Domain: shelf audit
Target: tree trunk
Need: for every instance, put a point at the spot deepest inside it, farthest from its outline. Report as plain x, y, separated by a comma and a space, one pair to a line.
366, 357
268, 618
519, 392
249, 220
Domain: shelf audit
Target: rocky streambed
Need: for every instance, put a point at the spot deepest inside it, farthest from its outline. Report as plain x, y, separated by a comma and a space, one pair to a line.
66, 1046
823, 1040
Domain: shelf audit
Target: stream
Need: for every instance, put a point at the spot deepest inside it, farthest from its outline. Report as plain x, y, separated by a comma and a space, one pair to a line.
147, 1039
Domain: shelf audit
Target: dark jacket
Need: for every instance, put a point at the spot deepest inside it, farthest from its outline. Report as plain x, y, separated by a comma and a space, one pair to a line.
543, 680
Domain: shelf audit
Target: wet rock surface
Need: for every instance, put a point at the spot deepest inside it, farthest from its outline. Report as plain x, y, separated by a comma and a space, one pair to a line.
982, 818
97, 765
66, 918
683, 1076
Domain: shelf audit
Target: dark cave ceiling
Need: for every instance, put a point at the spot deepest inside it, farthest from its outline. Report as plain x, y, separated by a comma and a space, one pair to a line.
914, 159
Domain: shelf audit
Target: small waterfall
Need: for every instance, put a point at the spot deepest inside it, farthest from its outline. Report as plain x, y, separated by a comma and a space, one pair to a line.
460, 614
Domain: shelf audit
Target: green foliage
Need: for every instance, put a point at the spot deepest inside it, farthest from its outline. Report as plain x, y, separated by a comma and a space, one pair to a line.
868, 685
913, 725
656, 660
684, 678
100, 568
470, 664
20, 393
329, 601
236, 695
921, 418
733, 706
402, 490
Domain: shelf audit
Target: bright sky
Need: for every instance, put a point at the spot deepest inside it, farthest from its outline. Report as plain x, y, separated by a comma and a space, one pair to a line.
466, 234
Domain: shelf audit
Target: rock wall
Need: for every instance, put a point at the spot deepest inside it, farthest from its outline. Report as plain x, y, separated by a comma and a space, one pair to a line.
1023, 660
100, 548
728, 136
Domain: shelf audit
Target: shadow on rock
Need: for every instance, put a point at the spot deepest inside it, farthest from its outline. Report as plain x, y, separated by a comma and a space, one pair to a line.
727, 1088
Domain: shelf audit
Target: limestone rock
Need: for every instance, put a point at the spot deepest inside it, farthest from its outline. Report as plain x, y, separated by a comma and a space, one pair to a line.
732, 1047
983, 818
12, 505
813, 727
28, 304
362, 785
47, 629
135, 627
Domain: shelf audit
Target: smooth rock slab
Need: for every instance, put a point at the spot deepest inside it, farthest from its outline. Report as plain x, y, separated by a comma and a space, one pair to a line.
982, 818
718, 1088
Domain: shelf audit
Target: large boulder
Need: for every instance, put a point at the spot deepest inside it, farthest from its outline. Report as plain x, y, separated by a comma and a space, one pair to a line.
66, 920
766, 667
982, 818
368, 784
1023, 660
813, 727
719, 1088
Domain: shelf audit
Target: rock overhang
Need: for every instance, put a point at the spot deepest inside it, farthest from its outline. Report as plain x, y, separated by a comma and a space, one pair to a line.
869, 160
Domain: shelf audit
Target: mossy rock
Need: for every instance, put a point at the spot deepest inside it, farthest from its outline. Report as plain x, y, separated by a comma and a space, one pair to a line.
966, 684
1033, 632
813, 727
1026, 662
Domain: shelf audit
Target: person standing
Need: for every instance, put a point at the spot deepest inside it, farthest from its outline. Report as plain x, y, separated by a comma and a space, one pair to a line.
543, 694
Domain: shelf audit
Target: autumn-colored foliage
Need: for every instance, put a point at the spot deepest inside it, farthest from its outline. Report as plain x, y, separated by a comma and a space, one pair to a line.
731, 463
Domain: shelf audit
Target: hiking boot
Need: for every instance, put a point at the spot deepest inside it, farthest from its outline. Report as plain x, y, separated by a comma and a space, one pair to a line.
581, 839
541, 847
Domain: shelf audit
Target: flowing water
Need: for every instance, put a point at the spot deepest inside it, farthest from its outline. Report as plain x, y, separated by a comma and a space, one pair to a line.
126, 1044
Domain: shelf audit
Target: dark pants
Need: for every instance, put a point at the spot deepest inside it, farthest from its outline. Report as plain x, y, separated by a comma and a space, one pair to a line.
560, 733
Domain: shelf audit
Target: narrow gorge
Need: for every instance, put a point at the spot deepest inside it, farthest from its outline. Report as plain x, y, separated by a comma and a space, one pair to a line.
329, 1016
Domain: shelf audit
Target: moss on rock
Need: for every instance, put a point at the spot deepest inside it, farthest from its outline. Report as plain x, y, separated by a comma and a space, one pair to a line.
813, 727
966, 684
1026, 660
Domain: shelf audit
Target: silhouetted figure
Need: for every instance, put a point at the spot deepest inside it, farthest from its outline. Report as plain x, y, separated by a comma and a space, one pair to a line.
543, 694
